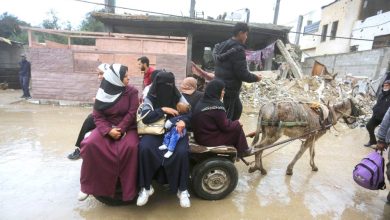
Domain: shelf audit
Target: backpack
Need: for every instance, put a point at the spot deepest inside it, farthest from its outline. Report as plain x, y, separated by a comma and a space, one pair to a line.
369, 173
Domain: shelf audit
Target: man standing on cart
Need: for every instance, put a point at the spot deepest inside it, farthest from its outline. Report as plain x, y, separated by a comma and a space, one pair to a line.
231, 68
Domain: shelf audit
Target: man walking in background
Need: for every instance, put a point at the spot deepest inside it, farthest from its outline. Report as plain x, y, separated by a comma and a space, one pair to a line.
378, 112
143, 64
24, 76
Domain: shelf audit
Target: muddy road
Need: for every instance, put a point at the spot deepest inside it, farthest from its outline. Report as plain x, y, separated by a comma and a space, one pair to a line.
37, 181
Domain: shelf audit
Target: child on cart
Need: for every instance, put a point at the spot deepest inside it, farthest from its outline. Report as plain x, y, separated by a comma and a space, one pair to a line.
172, 136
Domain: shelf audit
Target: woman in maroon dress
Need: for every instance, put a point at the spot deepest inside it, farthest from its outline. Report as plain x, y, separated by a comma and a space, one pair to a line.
110, 153
210, 123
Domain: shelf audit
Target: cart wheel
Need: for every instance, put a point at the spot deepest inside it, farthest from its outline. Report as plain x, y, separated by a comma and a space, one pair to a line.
214, 179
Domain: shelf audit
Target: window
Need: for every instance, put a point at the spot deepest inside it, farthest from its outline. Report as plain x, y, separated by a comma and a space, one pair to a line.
324, 32
334, 30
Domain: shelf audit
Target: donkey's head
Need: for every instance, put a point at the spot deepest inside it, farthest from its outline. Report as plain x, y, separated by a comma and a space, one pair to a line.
347, 110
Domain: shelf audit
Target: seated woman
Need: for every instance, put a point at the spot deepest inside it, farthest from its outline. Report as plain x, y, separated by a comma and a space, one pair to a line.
110, 152
163, 96
210, 124
147, 88
88, 124
188, 88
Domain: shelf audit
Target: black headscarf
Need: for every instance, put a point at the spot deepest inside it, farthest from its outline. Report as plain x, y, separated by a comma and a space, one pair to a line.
154, 74
212, 97
163, 92
111, 88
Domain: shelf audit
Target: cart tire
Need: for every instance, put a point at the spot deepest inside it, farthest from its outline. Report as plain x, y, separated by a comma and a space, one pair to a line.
214, 178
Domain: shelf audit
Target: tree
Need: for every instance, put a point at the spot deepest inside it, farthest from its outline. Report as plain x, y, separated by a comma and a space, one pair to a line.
89, 24
9, 27
67, 26
52, 22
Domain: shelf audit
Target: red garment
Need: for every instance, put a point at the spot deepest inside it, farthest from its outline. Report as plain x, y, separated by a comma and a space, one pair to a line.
213, 128
105, 159
148, 76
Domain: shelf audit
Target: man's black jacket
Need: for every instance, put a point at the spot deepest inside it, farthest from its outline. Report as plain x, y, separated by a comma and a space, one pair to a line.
231, 66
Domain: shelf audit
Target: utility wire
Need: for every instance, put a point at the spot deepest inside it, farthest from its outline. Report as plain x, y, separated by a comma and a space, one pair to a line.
214, 21
371, 26
320, 35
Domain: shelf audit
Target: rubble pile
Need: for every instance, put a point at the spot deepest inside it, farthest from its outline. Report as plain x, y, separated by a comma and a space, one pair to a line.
307, 89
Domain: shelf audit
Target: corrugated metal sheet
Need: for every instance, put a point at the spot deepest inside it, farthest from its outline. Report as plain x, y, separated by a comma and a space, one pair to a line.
312, 28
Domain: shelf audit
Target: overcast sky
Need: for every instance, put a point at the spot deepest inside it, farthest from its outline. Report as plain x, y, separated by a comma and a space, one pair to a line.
35, 11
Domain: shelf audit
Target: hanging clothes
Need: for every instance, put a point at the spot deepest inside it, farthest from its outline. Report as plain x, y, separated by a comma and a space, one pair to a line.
258, 56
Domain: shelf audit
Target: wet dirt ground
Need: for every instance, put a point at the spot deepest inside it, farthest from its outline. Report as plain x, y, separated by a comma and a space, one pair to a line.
37, 181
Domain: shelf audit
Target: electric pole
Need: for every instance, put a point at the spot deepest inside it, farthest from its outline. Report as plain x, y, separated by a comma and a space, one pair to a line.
192, 9
276, 12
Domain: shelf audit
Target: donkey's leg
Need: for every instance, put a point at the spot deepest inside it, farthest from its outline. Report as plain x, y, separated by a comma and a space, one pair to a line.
312, 154
267, 139
302, 150
258, 165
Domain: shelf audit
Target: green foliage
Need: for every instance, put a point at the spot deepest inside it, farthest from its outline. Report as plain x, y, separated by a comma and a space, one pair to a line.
52, 21
89, 24
9, 28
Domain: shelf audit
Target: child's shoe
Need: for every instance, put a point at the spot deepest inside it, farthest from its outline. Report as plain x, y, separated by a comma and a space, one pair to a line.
168, 154
163, 147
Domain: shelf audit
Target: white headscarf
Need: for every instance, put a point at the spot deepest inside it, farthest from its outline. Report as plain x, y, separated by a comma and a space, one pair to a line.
103, 67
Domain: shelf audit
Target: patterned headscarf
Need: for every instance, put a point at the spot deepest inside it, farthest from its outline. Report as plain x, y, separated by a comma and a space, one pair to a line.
111, 87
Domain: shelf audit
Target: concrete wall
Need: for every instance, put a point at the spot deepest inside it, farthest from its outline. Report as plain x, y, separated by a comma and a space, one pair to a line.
371, 63
9, 64
370, 28
311, 52
61, 73
346, 12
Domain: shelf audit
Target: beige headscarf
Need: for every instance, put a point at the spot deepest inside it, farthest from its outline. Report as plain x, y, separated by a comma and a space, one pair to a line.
188, 86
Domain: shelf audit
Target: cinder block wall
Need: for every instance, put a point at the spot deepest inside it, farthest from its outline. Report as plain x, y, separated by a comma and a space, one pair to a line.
9, 64
370, 63
69, 74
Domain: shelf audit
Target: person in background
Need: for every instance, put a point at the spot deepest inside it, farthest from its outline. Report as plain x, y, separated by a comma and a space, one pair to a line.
25, 76
143, 64
378, 112
231, 68
188, 88
88, 124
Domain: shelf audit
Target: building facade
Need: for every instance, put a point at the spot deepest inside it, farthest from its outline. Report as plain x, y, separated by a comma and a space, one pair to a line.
338, 19
68, 71
347, 26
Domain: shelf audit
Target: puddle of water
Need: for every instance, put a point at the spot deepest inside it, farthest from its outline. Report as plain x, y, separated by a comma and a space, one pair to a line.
37, 181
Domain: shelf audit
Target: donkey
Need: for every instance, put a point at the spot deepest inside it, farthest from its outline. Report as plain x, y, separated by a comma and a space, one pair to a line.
298, 119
